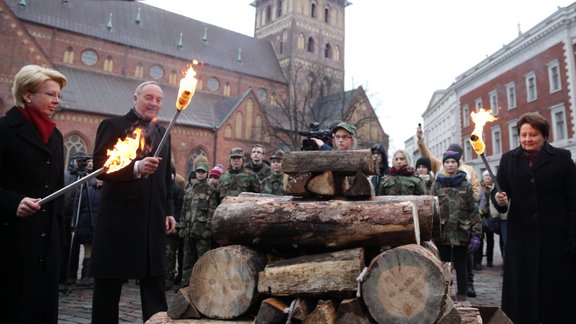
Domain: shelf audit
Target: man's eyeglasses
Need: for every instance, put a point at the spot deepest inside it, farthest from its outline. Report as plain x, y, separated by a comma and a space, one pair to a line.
343, 137
51, 95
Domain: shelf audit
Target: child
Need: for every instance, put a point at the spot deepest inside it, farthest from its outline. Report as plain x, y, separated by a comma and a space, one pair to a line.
401, 179
459, 218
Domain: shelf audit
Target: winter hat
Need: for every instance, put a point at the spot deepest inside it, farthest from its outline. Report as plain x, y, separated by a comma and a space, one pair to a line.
277, 155
456, 147
451, 155
425, 162
202, 166
216, 171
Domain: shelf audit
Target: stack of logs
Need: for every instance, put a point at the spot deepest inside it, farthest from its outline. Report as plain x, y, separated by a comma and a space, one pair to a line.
330, 252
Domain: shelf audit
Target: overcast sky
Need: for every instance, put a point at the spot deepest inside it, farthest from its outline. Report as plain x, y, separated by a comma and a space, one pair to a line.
401, 51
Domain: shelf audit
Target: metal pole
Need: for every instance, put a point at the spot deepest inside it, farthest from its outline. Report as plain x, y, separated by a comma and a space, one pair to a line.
62, 191
165, 136
494, 180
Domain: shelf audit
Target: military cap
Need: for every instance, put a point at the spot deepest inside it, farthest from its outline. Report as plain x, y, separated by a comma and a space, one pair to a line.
278, 154
237, 152
345, 126
202, 166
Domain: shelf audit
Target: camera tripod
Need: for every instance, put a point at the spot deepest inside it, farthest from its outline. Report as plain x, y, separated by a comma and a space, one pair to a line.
77, 200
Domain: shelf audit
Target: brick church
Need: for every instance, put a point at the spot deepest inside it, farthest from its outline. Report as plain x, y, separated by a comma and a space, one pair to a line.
250, 89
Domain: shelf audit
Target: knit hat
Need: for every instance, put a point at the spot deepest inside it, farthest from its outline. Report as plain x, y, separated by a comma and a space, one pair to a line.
451, 155
347, 127
192, 175
455, 147
425, 162
216, 171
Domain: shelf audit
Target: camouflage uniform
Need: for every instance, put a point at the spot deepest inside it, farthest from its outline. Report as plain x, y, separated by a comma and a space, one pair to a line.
200, 202
262, 171
234, 182
393, 185
274, 184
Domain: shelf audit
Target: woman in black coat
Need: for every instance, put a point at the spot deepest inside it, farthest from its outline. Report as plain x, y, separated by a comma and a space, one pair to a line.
538, 183
31, 167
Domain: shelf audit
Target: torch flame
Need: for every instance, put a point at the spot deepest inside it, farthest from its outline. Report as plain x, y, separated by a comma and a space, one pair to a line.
187, 88
124, 151
480, 119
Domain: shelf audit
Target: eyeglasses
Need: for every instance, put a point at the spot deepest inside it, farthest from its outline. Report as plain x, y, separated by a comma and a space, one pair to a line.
51, 95
343, 137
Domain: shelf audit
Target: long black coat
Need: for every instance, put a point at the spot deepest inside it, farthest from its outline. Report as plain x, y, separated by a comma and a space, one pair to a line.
29, 246
129, 237
539, 276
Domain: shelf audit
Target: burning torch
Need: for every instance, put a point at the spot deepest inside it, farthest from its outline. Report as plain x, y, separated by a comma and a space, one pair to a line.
120, 156
480, 119
185, 93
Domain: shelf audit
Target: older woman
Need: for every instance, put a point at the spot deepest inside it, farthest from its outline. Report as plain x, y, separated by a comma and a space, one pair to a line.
31, 167
538, 183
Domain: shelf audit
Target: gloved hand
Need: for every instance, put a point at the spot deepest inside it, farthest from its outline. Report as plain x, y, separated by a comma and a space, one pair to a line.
474, 244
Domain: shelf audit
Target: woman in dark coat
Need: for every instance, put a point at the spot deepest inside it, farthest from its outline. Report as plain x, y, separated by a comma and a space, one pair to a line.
538, 183
31, 167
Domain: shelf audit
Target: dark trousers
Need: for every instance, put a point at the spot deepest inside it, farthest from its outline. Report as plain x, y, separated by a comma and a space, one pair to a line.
456, 255
106, 299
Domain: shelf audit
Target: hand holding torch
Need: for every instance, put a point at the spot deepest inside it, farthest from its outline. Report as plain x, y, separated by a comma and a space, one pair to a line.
480, 119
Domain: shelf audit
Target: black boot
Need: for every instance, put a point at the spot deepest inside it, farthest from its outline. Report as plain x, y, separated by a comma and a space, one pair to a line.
470, 292
86, 280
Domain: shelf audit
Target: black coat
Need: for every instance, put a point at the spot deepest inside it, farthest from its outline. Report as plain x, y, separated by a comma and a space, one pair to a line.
539, 275
29, 246
129, 237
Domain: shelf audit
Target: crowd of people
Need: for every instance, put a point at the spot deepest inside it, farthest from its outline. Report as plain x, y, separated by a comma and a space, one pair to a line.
148, 223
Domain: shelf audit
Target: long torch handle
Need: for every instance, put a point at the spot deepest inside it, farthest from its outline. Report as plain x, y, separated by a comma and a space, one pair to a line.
494, 180
71, 186
165, 136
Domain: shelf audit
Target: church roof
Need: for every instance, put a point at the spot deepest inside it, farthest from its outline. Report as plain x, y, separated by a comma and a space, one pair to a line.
143, 26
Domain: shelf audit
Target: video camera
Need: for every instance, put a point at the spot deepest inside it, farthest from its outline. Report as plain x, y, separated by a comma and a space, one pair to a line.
323, 134
81, 159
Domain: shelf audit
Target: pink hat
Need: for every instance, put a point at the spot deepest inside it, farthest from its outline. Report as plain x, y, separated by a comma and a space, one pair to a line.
216, 171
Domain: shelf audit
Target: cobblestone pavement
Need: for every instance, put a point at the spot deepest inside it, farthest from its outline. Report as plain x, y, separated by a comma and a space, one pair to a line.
75, 307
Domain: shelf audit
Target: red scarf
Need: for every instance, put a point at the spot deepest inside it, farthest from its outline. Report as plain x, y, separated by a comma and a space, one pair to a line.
41, 122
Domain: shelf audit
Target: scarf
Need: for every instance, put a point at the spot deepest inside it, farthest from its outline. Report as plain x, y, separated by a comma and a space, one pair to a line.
530, 156
404, 171
40, 122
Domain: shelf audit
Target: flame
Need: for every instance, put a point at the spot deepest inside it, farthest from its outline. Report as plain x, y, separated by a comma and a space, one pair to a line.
480, 119
187, 87
124, 151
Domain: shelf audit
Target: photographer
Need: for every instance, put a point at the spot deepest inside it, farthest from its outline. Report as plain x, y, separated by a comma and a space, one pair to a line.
343, 136
316, 138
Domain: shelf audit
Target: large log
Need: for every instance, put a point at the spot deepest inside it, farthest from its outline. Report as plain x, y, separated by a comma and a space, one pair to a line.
325, 313
223, 284
353, 311
329, 274
405, 285
342, 162
265, 220
181, 306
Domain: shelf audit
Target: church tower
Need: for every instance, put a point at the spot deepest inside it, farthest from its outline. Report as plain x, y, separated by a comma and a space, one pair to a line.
308, 37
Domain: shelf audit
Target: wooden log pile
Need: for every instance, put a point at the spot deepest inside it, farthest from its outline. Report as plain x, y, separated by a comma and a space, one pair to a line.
333, 253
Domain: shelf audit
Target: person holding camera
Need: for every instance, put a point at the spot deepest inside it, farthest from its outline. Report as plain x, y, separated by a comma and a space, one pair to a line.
31, 167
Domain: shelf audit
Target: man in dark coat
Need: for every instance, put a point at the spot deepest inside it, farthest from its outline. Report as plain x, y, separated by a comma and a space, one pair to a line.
135, 212
539, 265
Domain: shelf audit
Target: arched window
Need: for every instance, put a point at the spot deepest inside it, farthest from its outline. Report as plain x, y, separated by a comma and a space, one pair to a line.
279, 8
336, 54
227, 89
268, 14
301, 41
249, 114
238, 121
108, 64
228, 131
73, 144
328, 51
313, 10
139, 71
310, 45
259, 129
173, 78
69, 56
326, 15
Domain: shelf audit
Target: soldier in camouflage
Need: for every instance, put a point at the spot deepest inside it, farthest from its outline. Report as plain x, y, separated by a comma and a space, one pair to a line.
200, 201
401, 179
237, 178
257, 164
275, 183
461, 227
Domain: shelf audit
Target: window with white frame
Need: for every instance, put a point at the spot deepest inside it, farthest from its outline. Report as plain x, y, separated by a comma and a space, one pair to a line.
478, 104
494, 102
467, 150
465, 116
513, 134
559, 128
496, 140
511, 95
531, 91
554, 76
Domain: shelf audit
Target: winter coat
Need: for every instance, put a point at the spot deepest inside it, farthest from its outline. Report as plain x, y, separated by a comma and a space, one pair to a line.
29, 246
539, 275
129, 239
88, 214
